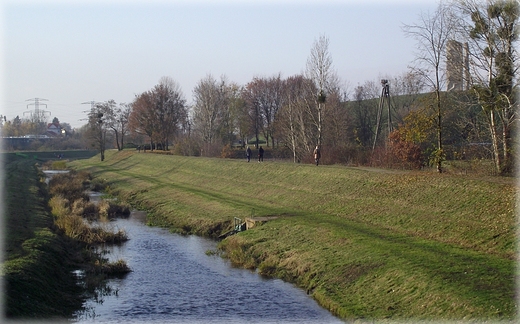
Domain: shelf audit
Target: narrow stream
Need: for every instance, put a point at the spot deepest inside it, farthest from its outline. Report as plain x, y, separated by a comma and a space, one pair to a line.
175, 281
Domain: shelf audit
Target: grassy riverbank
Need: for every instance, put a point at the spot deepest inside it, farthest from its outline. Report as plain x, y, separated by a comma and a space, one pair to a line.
37, 262
42, 249
366, 243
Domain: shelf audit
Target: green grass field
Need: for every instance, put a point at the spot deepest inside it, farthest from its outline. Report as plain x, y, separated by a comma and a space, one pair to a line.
365, 243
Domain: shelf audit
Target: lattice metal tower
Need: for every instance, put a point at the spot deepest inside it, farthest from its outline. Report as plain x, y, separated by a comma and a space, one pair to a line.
37, 114
384, 100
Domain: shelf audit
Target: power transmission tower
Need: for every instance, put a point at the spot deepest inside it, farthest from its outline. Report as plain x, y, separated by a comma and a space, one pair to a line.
37, 114
383, 99
92, 104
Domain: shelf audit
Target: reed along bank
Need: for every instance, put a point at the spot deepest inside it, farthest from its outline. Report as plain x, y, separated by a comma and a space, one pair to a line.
367, 244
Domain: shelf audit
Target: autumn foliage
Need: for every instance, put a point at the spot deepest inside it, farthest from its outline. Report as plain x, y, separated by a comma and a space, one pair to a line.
407, 153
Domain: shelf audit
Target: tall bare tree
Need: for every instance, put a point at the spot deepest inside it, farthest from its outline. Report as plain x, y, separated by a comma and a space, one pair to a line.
266, 94
207, 108
117, 119
293, 123
141, 119
319, 70
432, 33
252, 94
159, 113
238, 112
169, 108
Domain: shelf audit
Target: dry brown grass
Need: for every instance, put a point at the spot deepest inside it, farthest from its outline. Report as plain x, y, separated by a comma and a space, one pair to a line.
72, 211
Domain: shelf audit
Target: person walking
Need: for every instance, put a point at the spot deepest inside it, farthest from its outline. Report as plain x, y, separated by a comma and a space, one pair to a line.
248, 154
317, 155
260, 154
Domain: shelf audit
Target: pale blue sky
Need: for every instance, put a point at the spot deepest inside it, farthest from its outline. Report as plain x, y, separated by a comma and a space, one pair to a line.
70, 52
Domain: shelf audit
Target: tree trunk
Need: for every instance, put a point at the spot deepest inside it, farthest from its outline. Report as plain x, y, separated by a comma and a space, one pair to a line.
116, 133
507, 163
494, 140
319, 124
439, 133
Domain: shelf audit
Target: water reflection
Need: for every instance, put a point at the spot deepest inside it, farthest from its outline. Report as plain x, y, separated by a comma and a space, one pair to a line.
174, 281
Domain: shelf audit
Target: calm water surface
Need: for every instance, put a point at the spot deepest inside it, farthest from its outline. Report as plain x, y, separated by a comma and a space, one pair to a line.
174, 281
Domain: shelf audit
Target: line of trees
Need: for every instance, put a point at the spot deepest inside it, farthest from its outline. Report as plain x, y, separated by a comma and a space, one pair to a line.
291, 115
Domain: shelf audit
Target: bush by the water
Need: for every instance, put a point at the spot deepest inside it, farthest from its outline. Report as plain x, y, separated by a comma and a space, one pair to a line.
72, 210
109, 209
70, 186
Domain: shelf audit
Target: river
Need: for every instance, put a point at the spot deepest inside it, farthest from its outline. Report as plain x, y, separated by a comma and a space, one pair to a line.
173, 280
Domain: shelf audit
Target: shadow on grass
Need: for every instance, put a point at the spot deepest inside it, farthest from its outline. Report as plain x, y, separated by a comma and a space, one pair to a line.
469, 274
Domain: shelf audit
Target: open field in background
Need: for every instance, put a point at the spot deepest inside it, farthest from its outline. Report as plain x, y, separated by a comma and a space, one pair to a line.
366, 243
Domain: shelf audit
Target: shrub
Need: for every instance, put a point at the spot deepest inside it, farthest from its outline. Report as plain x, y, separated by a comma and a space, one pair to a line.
68, 185
187, 147
407, 153
106, 235
110, 209
74, 227
111, 268
85, 209
227, 152
98, 184
58, 206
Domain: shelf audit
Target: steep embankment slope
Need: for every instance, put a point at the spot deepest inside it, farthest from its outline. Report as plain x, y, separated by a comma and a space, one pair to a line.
365, 244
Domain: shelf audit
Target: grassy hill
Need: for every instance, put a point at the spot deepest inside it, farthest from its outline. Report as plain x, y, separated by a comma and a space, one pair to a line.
365, 243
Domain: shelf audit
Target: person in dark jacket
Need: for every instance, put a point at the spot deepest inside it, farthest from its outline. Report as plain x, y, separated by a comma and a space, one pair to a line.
248, 154
260, 154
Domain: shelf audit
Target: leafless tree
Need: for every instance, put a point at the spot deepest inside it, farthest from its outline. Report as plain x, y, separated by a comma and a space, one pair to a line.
293, 123
141, 120
254, 94
319, 70
238, 112
159, 113
208, 108
170, 107
432, 33
119, 123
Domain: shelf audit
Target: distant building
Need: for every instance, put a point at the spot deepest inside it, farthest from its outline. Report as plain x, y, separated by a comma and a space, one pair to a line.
457, 66
54, 129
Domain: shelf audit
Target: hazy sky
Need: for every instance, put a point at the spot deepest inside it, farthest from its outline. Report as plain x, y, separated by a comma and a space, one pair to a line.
70, 52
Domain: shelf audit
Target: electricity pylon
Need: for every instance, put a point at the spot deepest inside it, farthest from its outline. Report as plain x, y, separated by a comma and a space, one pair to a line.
384, 99
37, 114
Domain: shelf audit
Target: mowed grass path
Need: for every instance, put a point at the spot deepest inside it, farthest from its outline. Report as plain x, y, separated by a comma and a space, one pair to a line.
365, 243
